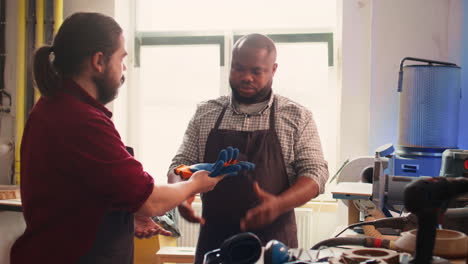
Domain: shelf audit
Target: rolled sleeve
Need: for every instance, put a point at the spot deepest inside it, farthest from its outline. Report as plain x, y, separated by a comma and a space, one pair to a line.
309, 160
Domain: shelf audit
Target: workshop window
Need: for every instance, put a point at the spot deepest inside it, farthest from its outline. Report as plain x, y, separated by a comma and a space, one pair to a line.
173, 79
182, 57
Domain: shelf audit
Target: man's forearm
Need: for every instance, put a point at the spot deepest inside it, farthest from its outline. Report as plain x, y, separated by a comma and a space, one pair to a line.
303, 190
166, 197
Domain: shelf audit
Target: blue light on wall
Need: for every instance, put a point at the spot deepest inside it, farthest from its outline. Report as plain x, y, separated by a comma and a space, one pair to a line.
463, 132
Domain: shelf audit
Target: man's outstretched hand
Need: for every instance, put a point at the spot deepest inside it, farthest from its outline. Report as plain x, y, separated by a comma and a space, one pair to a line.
188, 213
262, 215
145, 227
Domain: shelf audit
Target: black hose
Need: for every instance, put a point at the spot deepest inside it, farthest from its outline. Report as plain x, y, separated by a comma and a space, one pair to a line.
404, 223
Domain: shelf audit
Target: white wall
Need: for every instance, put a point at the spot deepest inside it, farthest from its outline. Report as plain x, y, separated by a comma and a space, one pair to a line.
125, 16
355, 100
101, 6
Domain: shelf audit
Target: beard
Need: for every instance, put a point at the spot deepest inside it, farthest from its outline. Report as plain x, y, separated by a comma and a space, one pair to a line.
107, 88
263, 94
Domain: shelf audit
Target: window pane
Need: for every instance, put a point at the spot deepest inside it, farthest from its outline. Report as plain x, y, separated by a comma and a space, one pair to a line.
159, 15
303, 76
173, 79
181, 74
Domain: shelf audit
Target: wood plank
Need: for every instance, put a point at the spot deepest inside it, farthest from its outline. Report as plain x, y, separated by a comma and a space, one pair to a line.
9, 192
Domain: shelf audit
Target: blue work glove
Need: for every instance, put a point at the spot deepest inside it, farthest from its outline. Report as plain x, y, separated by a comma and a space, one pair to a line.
225, 164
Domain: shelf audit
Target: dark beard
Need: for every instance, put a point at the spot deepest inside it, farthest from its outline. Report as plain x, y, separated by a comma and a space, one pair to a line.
263, 95
106, 90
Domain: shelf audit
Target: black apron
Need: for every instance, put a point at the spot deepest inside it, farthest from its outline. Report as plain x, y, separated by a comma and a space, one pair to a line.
227, 203
114, 240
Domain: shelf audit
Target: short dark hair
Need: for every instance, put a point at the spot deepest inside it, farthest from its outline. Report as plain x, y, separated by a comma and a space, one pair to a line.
256, 40
81, 35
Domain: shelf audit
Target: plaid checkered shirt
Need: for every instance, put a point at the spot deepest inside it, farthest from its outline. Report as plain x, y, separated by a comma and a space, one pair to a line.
294, 125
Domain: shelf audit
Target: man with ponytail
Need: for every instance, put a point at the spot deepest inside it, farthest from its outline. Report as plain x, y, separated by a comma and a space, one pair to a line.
80, 188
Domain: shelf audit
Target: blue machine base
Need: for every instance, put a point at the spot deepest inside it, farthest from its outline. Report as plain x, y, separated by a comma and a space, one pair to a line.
415, 166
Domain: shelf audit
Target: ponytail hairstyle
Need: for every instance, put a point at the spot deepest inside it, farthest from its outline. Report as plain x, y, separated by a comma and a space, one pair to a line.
45, 76
80, 36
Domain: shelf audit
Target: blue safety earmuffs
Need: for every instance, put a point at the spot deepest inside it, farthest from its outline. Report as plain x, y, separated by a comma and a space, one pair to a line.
276, 253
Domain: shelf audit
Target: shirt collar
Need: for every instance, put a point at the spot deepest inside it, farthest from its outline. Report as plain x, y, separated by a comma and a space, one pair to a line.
236, 110
74, 89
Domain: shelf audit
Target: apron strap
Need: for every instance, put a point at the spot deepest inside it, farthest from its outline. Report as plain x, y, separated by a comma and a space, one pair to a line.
220, 117
272, 115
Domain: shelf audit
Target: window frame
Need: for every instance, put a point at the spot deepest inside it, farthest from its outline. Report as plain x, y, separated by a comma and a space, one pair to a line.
202, 38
